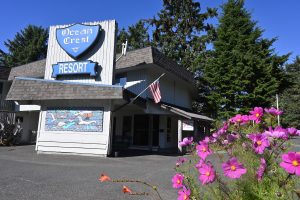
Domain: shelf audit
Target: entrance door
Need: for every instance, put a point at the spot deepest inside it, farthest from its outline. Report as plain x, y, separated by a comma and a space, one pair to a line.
141, 130
155, 130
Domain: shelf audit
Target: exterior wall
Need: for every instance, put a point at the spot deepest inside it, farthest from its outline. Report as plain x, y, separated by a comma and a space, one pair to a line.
136, 81
84, 143
173, 91
104, 54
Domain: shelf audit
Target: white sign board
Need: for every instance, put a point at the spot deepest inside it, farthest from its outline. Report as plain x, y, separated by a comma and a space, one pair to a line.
187, 125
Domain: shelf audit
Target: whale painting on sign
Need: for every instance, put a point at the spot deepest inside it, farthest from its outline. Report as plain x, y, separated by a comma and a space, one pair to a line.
74, 120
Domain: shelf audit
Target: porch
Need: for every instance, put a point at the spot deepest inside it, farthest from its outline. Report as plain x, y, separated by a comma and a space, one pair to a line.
155, 127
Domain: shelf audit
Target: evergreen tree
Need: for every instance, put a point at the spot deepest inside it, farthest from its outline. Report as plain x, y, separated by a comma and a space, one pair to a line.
137, 36
243, 70
290, 98
28, 45
180, 31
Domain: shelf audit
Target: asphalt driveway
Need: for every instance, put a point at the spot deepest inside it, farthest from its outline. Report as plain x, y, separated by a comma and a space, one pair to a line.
25, 175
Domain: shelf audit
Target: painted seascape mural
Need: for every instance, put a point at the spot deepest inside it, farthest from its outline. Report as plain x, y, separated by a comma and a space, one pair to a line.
74, 120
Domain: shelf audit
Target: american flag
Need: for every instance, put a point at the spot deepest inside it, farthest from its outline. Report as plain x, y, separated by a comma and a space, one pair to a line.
154, 88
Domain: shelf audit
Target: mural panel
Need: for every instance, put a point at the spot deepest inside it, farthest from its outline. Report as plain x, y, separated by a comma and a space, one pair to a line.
76, 120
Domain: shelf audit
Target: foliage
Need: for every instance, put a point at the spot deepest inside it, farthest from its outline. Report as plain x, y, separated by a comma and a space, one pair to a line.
137, 36
180, 31
30, 44
290, 98
254, 163
243, 69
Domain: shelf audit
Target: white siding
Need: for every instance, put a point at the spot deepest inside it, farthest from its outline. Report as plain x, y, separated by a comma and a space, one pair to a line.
138, 75
104, 55
173, 91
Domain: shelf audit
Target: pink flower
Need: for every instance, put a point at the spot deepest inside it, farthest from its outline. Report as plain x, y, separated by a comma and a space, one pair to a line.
206, 139
199, 164
184, 194
240, 119
223, 129
256, 114
278, 132
207, 174
259, 142
203, 150
177, 181
291, 163
292, 131
273, 111
261, 169
180, 161
186, 141
233, 169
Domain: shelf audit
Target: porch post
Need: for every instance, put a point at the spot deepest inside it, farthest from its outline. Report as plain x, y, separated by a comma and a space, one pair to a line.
179, 135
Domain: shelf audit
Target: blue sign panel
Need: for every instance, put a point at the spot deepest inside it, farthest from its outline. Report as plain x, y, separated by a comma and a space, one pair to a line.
77, 67
75, 120
77, 39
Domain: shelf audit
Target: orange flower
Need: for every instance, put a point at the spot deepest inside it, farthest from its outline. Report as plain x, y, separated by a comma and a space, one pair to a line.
104, 178
126, 190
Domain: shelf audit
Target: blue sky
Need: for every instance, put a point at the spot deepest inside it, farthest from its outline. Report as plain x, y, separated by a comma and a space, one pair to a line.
277, 17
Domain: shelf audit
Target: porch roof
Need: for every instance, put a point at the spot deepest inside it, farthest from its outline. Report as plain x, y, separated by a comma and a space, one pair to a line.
23, 89
184, 113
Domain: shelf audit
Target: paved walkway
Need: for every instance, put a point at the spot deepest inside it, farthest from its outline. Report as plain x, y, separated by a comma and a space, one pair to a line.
28, 176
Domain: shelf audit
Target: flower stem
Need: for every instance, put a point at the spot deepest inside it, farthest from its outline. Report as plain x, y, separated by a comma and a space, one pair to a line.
153, 187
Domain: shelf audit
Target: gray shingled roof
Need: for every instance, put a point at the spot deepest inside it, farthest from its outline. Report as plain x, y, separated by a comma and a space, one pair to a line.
40, 89
34, 69
148, 55
151, 55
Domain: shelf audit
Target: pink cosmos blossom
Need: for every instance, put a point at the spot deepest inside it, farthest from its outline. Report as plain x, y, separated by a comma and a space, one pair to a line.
213, 140
206, 139
223, 129
240, 119
203, 150
273, 111
180, 161
292, 131
186, 141
199, 164
225, 142
256, 114
184, 194
259, 142
215, 134
261, 169
233, 169
207, 174
291, 163
177, 180
278, 132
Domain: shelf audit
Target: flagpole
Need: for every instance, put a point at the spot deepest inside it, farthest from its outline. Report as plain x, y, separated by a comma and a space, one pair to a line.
146, 88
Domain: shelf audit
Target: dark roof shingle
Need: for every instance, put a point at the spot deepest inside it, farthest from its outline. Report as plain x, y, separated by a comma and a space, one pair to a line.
40, 89
34, 69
